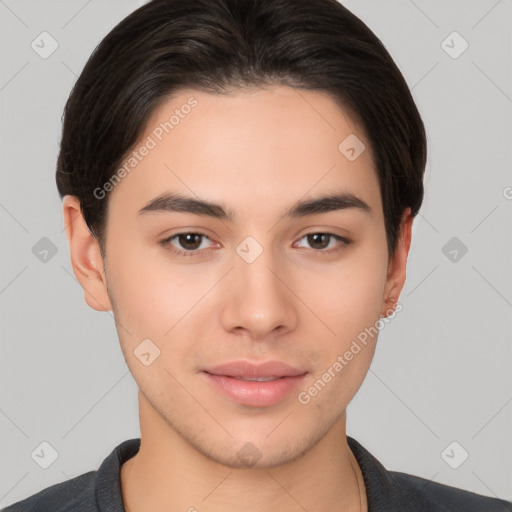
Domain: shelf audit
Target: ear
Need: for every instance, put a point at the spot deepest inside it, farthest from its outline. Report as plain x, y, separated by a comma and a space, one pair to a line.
86, 259
395, 279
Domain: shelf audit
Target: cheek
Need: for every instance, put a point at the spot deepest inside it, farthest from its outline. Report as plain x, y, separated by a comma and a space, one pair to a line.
346, 296
155, 299
349, 303
139, 290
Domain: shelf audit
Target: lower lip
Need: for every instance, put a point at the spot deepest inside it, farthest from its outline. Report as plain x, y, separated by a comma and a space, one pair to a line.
255, 393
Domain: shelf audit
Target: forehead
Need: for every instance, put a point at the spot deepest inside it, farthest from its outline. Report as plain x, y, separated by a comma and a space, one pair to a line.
253, 146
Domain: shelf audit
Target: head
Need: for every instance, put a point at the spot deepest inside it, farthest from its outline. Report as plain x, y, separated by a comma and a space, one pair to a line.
283, 139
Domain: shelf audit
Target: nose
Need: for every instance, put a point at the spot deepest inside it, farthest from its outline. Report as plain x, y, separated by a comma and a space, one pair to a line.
258, 300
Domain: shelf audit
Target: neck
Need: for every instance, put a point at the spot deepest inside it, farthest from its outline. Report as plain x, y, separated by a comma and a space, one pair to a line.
168, 474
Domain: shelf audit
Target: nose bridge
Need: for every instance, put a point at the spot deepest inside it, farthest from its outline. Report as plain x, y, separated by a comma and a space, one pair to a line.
258, 301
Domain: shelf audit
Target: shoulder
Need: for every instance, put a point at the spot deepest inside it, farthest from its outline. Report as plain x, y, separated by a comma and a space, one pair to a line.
441, 497
401, 492
89, 492
76, 494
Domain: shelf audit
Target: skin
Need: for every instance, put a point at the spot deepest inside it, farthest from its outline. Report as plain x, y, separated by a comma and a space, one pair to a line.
256, 152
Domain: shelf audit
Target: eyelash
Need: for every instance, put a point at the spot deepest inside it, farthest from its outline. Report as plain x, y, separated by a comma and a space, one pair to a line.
166, 243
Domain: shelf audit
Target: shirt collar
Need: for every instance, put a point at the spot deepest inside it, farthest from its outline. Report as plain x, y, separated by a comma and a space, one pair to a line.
383, 491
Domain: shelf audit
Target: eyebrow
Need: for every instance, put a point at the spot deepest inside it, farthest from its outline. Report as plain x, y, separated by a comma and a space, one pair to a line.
173, 202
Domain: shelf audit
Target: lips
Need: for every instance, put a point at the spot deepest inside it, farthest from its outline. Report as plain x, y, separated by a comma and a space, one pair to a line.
254, 384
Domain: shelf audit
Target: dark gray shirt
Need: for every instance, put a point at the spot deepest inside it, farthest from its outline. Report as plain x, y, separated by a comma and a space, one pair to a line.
387, 491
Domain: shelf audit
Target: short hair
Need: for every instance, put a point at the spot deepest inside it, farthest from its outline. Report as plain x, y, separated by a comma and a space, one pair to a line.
220, 45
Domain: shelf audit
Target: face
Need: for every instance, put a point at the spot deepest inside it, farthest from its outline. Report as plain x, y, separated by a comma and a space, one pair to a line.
261, 282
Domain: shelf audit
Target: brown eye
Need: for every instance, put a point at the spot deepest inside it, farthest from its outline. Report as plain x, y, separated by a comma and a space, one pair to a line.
189, 241
321, 242
186, 244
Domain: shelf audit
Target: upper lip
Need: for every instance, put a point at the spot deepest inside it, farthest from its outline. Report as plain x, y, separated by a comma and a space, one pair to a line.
248, 369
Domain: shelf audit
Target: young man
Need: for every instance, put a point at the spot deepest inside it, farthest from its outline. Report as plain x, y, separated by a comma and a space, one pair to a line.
240, 179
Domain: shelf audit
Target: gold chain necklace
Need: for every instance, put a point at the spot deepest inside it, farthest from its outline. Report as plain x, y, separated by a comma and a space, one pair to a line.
356, 474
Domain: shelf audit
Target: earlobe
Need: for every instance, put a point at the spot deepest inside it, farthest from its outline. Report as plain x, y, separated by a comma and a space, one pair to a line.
397, 265
85, 255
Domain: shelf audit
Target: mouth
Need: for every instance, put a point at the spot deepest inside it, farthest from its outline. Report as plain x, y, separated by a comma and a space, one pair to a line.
255, 384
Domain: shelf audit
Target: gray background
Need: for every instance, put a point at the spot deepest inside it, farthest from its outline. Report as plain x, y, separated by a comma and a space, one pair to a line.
442, 368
